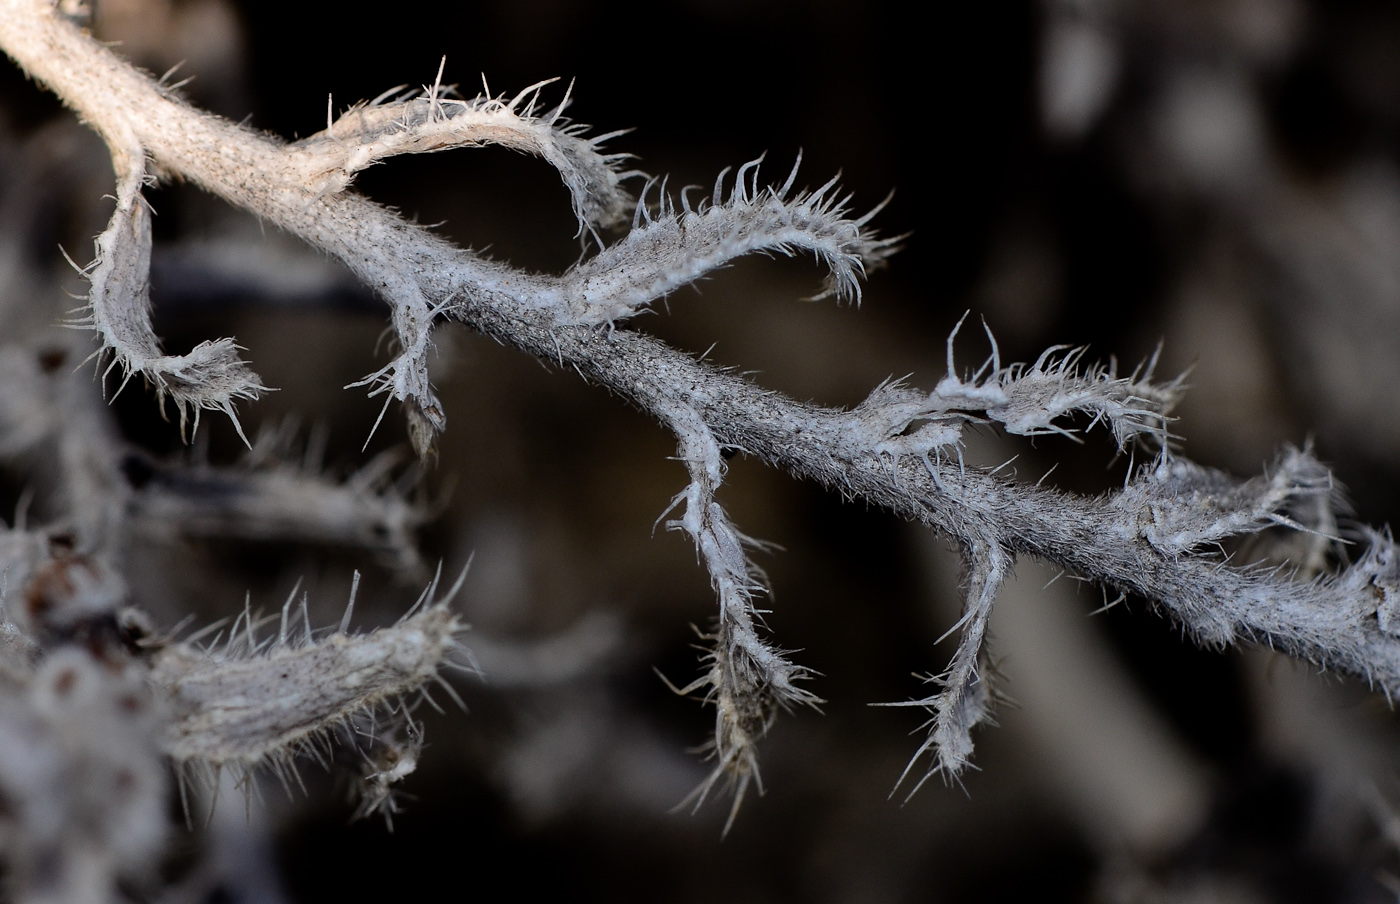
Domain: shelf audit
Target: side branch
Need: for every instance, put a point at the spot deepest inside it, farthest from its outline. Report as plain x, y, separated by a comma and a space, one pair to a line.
747, 679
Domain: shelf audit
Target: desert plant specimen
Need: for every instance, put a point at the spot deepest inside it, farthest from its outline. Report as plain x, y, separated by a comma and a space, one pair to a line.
1161, 537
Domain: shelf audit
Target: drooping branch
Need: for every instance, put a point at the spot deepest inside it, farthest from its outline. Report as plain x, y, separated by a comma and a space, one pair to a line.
211, 376
747, 679
966, 697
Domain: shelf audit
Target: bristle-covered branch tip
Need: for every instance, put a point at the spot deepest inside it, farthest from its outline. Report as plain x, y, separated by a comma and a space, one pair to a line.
677, 244
210, 376
263, 700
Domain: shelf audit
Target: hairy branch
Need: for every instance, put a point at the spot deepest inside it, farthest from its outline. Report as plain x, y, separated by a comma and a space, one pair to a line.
257, 700
748, 679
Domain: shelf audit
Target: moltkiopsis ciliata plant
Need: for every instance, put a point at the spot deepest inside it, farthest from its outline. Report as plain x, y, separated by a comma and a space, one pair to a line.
104, 711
